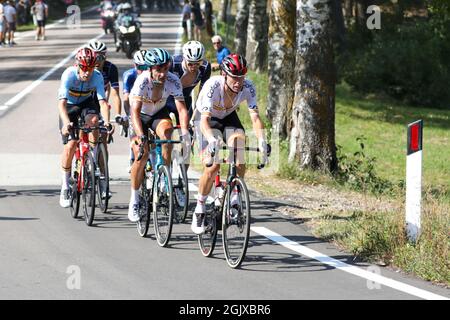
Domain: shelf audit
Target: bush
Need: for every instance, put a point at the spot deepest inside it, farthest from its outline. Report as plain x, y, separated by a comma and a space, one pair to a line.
409, 62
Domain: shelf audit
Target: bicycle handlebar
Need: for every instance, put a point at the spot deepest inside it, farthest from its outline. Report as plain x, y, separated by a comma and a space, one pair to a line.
153, 141
259, 166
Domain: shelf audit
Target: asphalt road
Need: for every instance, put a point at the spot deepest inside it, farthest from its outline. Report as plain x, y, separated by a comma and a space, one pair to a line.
45, 254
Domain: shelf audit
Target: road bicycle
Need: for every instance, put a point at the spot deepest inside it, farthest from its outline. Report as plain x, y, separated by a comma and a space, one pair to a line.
233, 219
84, 173
156, 193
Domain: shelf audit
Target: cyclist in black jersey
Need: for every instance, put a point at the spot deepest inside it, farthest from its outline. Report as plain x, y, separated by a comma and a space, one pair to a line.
110, 77
192, 69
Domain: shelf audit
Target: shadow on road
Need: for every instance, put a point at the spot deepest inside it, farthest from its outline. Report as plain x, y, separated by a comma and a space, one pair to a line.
29, 193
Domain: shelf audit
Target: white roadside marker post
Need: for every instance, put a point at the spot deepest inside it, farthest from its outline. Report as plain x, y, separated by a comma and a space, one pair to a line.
414, 179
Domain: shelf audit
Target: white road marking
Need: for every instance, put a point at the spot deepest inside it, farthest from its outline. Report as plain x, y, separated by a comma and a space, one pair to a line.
275, 237
37, 82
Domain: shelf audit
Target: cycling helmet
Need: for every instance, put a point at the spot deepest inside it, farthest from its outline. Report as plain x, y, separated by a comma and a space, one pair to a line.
193, 51
156, 57
86, 57
139, 57
126, 7
234, 65
97, 47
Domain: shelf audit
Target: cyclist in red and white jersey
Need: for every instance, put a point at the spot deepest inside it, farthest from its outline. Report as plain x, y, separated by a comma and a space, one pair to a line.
217, 104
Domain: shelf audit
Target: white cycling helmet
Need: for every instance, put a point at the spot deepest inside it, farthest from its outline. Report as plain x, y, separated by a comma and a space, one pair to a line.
97, 46
193, 51
138, 57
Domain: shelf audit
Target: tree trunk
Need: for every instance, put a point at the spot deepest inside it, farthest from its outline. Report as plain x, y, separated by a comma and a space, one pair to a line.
240, 42
348, 12
339, 23
312, 140
223, 10
256, 50
281, 64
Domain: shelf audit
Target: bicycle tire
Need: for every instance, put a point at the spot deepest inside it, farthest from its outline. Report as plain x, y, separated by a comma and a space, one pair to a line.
182, 184
207, 240
143, 223
89, 190
74, 198
235, 248
102, 187
162, 204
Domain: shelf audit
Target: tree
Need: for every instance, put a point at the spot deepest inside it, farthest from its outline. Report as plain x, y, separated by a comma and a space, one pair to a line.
256, 50
223, 10
241, 25
312, 140
281, 64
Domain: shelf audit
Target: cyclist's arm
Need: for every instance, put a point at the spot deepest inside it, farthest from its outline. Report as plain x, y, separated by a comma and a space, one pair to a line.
115, 100
258, 126
126, 103
104, 109
62, 107
184, 116
206, 128
114, 89
136, 107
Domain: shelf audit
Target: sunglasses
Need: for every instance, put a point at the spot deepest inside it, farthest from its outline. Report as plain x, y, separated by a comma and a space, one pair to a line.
193, 64
142, 67
85, 68
216, 42
101, 57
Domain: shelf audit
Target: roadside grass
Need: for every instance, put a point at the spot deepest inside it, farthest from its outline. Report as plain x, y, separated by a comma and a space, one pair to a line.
371, 137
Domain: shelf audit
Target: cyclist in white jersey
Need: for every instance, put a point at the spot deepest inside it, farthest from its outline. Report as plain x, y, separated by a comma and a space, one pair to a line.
217, 104
149, 94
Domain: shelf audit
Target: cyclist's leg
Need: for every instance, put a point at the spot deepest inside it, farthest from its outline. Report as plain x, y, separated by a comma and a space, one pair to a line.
91, 115
137, 169
235, 133
162, 126
67, 155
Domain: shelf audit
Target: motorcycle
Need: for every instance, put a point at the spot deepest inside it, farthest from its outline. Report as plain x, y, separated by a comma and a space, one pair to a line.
129, 36
108, 17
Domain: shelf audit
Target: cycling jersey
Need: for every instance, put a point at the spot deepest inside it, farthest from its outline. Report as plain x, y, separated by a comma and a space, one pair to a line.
77, 91
129, 77
211, 99
110, 75
143, 87
204, 73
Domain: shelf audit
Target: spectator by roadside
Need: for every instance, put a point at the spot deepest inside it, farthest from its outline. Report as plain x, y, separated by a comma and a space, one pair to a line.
186, 17
221, 51
40, 11
197, 19
2, 24
11, 19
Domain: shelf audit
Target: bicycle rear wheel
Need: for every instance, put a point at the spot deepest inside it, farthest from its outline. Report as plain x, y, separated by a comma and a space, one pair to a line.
144, 210
181, 191
89, 192
207, 240
236, 223
163, 205
103, 178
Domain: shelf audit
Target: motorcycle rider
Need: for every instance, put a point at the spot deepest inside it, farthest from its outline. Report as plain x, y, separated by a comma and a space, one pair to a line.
126, 16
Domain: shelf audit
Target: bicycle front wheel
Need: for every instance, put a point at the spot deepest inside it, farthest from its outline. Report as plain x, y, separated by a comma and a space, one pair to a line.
236, 222
144, 210
181, 191
163, 205
103, 178
74, 197
89, 192
207, 240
